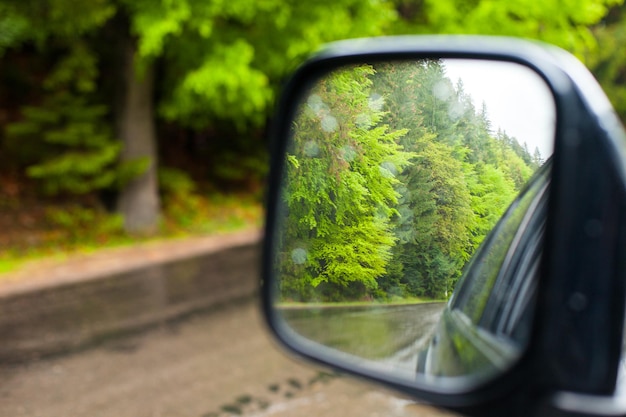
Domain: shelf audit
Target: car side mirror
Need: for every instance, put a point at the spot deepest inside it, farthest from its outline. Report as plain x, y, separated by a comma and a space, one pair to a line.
443, 218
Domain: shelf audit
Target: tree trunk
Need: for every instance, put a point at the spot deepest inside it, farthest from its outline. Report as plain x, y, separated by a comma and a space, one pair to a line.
138, 201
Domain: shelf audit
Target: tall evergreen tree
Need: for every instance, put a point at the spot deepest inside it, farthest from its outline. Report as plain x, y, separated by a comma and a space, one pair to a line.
339, 192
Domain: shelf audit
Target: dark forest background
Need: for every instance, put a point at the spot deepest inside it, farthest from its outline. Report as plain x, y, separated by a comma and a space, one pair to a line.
123, 119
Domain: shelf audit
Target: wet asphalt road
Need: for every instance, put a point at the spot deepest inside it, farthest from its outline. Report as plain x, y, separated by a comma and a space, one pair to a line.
214, 364
384, 333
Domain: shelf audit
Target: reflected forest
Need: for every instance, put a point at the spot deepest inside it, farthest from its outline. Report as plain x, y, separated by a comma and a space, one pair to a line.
393, 179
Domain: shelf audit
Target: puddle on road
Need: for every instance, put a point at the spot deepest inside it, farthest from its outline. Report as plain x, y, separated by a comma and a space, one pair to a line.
278, 398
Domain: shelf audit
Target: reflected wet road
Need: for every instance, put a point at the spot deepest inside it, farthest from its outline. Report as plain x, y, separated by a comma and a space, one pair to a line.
390, 334
215, 364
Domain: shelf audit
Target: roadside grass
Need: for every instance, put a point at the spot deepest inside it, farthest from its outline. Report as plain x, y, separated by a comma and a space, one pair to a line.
75, 230
395, 301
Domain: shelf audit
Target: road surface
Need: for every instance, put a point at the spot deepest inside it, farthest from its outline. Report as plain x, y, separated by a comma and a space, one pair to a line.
214, 364
386, 334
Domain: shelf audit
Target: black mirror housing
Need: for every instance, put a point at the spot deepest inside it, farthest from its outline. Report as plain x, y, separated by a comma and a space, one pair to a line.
576, 337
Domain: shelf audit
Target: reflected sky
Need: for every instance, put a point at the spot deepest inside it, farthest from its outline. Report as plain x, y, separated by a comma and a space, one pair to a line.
518, 100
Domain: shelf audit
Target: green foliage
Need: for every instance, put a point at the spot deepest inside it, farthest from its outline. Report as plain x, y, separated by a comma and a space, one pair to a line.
77, 153
223, 59
219, 63
65, 19
561, 22
77, 71
80, 155
187, 208
69, 229
491, 193
175, 181
351, 233
128, 170
199, 213
340, 191
417, 207
84, 223
13, 27
183, 207
607, 64
236, 89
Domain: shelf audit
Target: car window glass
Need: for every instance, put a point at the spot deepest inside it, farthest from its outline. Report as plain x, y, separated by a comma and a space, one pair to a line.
516, 281
481, 274
525, 283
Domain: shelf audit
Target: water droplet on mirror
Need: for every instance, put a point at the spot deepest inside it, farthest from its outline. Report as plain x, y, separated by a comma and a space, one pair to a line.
388, 169
329, 123
456, 110
348, 153
363, 121
376, 102
315, 103
311, 149
442, 90
298, 256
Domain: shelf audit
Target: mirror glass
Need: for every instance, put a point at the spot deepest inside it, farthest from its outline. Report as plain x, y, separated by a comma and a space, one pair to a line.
398, 248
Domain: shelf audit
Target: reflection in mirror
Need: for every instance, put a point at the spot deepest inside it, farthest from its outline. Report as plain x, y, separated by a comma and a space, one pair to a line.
395, 175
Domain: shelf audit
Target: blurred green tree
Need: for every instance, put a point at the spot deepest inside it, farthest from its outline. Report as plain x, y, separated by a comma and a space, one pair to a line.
609, 65
78, 153
199, 63
566, 23
193, 62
